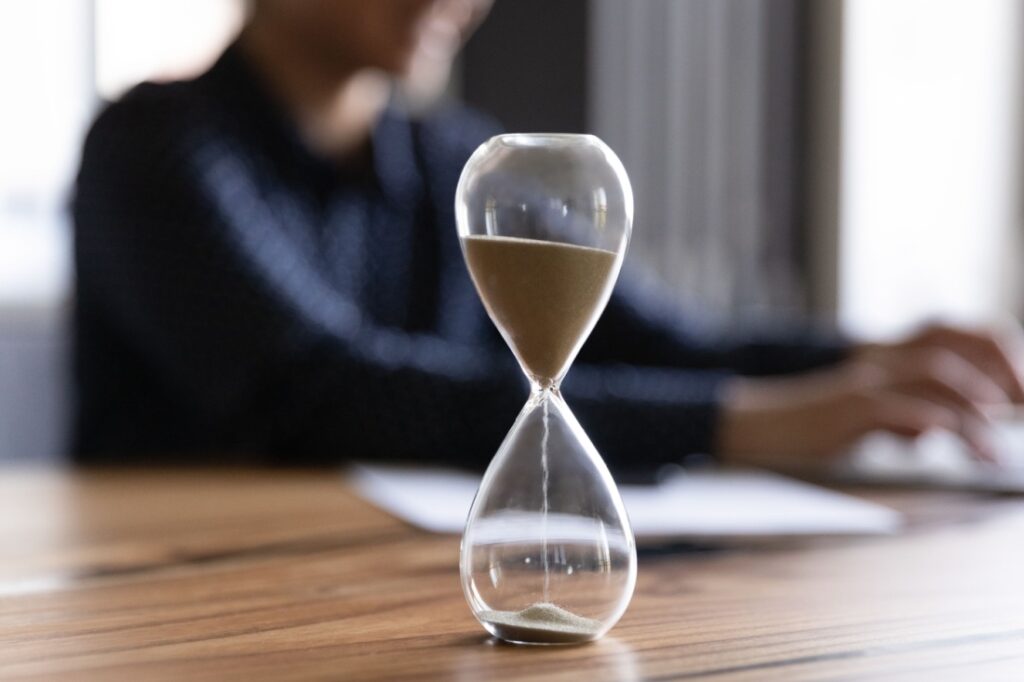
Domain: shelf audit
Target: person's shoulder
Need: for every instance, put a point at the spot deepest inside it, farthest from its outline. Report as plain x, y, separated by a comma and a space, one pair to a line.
145, 110
150, 119
143, 153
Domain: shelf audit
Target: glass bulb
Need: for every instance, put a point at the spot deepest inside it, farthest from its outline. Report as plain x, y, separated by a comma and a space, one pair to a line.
548, 556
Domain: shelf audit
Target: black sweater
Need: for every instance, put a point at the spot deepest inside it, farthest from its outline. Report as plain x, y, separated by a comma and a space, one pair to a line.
241, 299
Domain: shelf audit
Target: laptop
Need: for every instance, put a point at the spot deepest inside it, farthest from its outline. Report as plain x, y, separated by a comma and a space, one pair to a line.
938, 459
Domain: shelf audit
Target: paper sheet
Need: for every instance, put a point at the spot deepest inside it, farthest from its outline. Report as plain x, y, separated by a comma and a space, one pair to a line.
706, 504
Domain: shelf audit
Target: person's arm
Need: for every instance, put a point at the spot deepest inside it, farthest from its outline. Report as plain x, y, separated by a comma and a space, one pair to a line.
641, 327
799, 395
641, 418
952, 378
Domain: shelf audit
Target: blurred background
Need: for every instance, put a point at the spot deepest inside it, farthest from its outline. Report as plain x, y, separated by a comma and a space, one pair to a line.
855, 163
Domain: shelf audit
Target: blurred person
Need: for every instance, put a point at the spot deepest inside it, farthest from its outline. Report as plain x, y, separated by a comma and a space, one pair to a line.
268, 271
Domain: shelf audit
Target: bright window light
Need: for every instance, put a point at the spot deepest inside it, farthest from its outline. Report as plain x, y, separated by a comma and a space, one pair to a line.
140, 40
928, 191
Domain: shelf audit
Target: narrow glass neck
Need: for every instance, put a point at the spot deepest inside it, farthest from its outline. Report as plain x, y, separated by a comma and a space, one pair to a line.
540, 391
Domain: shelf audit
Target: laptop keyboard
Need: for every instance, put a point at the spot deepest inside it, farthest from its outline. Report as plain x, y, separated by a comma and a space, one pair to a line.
938, 458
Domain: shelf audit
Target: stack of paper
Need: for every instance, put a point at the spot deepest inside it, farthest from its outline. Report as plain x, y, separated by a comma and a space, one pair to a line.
704, 504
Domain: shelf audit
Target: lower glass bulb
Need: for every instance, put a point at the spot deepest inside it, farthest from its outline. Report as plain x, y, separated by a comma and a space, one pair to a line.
548, 556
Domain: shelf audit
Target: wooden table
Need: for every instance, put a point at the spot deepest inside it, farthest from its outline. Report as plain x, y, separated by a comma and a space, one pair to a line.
271, 575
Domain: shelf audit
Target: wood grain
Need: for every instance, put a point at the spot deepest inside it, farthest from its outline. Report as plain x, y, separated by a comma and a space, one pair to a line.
274, 575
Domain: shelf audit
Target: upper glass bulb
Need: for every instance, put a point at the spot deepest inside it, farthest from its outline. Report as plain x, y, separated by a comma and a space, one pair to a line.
518, 195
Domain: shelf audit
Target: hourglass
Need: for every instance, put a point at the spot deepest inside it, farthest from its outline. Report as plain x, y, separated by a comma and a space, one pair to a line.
548, 556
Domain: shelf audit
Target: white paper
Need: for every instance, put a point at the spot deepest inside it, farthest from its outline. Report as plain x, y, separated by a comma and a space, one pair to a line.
706, 504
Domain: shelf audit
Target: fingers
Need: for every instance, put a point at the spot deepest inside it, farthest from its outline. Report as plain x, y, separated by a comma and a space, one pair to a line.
825, 412
1002, 354
919, 389
947, 381
998, 354
906, 415
945, 377
940, 376
912, 416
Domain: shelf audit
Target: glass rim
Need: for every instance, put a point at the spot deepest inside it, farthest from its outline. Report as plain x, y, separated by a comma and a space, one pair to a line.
536, 139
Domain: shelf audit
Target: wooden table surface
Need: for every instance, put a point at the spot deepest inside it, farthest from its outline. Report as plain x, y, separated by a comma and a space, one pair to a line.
288, 575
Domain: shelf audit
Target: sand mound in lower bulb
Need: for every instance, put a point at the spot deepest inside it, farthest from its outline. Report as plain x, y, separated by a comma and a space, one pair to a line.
542, 623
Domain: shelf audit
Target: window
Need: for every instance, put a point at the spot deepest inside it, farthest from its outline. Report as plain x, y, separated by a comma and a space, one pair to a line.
58, 59
140, 40
930, 117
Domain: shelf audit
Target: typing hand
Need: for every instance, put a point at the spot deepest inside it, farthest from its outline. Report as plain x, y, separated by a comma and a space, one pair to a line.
941, 377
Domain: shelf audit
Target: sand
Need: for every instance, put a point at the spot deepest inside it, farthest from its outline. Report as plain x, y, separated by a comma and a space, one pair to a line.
542, 623
543, 296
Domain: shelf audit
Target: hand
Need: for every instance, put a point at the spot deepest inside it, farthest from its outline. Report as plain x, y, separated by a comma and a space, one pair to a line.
942, 377
997, 354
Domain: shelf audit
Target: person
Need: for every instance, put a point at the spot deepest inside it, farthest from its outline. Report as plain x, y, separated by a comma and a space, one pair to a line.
268, 271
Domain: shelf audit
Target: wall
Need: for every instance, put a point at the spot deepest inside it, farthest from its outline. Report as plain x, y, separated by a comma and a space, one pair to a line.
699, 99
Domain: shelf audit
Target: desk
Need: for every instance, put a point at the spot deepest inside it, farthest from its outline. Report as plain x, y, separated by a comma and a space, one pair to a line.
288, 575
